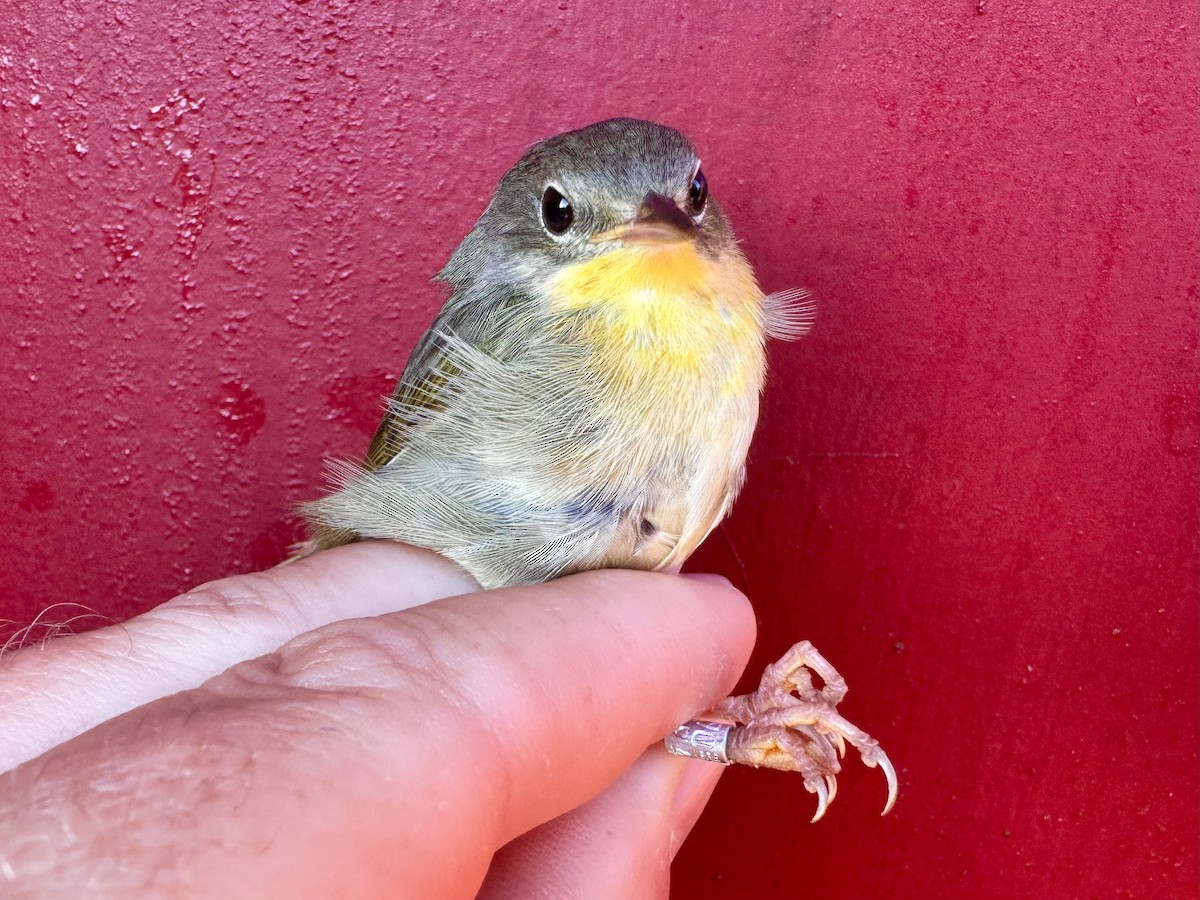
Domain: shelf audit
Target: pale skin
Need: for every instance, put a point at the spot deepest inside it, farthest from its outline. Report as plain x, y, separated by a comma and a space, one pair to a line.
366, 722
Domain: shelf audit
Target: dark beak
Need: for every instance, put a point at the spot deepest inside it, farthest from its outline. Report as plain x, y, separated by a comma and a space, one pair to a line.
659, 210
659, 220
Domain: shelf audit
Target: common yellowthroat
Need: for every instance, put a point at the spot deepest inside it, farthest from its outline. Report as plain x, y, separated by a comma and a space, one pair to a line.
585, 399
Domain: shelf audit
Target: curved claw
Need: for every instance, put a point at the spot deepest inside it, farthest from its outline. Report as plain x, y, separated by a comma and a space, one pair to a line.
840, 743
889, 772
822, 801
831, 781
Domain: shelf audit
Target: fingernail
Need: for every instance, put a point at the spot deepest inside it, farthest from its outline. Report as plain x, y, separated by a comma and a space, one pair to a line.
709, 577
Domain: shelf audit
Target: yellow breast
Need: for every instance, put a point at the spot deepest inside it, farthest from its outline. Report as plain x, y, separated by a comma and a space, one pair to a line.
670, 312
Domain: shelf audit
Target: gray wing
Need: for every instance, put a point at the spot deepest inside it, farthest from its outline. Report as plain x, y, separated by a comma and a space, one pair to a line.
496, 453
485, 321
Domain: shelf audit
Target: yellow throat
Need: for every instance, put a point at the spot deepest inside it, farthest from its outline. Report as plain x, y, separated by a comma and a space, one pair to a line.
667, 306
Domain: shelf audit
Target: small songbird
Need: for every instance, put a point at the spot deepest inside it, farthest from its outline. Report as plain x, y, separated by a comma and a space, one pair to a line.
586, 397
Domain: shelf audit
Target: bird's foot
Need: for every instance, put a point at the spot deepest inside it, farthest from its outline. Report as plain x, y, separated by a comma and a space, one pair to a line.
791, 724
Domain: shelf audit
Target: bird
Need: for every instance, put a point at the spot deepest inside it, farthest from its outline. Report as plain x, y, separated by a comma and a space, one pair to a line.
586, 398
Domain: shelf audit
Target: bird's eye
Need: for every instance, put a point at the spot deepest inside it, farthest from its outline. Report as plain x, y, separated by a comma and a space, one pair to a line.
698, 194
557, 214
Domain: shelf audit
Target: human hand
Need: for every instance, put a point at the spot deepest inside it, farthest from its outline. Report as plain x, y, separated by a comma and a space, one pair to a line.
248, 739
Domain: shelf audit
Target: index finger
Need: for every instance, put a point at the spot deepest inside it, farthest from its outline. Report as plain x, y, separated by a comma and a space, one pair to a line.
52, 692
385, 754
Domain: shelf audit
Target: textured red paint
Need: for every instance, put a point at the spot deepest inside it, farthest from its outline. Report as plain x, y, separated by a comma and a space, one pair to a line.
241, 413
359, 399
974, 486
38, 497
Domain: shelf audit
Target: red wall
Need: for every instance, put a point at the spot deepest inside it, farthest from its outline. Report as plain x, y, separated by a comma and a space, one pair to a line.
974, 486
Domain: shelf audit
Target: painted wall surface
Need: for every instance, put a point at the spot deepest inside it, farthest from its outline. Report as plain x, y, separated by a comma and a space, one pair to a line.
974, 485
